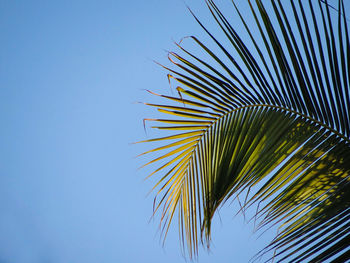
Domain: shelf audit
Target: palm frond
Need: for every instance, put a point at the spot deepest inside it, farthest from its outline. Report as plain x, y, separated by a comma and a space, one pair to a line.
269, 122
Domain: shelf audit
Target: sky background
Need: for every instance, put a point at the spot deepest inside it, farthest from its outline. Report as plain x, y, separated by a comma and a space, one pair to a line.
70, 190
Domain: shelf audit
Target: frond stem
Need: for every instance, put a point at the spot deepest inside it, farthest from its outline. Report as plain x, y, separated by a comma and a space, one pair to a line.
292, 111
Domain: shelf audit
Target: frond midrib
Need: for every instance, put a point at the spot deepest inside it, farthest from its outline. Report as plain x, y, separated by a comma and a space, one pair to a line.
324, 125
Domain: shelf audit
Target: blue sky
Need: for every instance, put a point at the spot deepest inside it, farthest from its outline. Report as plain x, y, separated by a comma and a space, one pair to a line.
70, 190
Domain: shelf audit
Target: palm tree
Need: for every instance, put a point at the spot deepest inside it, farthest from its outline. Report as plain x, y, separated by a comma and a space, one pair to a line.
263, 118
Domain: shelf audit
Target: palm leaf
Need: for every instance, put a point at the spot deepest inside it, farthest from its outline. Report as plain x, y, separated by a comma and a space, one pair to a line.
269, 122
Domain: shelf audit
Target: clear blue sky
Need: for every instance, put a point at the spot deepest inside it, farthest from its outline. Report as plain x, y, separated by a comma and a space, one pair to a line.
70, 190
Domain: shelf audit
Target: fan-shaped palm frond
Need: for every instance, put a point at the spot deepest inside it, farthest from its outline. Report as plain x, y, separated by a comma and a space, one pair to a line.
269, 120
